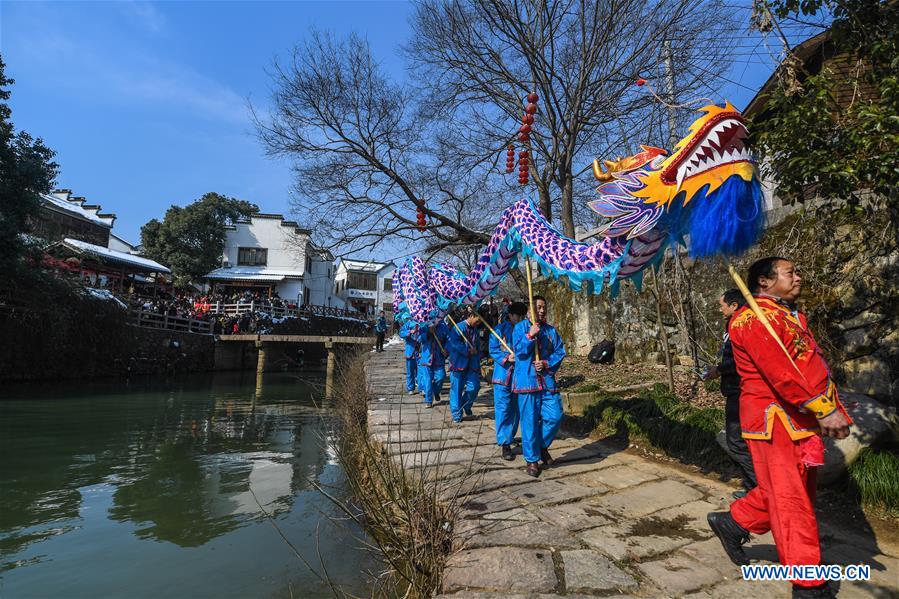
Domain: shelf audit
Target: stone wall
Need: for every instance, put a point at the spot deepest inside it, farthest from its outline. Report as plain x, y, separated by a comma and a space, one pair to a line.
848, 257
92, 338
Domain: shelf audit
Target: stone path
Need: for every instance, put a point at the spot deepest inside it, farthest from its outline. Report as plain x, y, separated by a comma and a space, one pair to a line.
599, 522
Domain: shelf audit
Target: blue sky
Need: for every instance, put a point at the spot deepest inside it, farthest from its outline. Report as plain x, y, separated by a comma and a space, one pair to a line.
146, 103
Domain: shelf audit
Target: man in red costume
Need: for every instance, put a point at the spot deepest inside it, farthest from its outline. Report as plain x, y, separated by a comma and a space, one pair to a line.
786, 405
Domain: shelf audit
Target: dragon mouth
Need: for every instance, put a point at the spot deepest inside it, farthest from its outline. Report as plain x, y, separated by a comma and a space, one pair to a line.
720, 141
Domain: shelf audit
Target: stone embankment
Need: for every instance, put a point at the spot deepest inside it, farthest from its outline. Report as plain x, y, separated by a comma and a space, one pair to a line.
599, 522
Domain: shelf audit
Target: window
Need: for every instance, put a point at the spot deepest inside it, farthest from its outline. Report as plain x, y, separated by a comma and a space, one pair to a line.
388, 284
363, 281
252, 256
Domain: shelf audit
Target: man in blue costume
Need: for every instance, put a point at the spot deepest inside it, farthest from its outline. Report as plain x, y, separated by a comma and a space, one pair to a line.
409, 334
465, 365
539, 402
431, 360
505, 403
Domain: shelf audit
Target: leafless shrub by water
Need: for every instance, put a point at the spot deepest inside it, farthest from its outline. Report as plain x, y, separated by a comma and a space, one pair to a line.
407, 501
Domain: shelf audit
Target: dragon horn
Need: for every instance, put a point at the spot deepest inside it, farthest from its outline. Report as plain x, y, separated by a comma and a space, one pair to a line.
600, 174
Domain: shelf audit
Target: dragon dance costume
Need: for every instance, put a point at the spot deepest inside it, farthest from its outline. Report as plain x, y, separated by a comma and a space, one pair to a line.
465, 369
409, 334
431, 361
505, 402
780, 405
539, 402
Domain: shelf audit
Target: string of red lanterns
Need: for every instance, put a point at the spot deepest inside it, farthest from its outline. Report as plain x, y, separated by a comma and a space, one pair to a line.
421, 223
524, 136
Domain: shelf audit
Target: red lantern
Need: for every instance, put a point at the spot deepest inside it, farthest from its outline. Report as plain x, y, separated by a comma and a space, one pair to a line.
531, 109
523, 161
640, 82
525, 129
523, 137
533, 97
523, 154
528, 119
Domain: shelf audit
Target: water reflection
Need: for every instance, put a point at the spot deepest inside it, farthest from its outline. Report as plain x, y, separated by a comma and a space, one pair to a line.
185, 464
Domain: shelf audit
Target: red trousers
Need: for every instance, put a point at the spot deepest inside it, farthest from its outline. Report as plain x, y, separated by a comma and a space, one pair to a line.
783, 501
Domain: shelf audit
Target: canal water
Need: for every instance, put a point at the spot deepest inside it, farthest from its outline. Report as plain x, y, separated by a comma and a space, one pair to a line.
150, 488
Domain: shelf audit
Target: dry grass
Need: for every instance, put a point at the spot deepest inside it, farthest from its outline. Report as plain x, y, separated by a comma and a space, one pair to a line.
409, 514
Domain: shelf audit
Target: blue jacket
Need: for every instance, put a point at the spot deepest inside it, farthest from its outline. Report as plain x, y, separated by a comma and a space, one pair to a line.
430, 354
502, 368
409, 334
460, 359
552, 351
381, 325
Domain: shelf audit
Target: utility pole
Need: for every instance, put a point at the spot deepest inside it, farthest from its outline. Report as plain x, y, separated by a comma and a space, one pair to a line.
672, 140
671, 100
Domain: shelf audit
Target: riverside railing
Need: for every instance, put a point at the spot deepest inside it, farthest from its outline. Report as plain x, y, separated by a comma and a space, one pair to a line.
238, 308
154, 320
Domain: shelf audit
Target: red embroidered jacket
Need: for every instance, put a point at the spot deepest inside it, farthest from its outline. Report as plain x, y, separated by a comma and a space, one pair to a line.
769, 384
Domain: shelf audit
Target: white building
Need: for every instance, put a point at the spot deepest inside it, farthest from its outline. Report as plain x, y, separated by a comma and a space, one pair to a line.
269, 255
365, 286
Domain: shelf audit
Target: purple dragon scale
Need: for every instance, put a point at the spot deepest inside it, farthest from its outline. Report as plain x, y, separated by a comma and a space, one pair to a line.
424, 294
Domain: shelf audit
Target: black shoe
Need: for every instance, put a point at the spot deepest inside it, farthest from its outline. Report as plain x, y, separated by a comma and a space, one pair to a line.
731, 535
820, 592
533, 469
545, 457
507, 453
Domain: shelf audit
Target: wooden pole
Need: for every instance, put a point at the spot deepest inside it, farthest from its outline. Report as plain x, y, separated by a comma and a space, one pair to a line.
754, 306
657, 294
527, 268
437, 339
461, 334
495, 334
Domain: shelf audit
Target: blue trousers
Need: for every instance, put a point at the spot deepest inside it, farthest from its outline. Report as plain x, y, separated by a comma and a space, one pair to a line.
430, 381
505, 411
464, 387
411, 374
541, 415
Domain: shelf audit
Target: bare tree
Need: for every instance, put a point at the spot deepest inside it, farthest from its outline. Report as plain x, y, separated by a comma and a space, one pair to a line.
582, 57
368, 152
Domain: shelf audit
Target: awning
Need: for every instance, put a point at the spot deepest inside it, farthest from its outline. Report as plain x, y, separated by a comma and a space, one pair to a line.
253, 273
241, 277
107, 255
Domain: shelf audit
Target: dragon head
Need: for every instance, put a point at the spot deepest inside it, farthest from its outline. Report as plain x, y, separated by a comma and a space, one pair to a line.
706, 188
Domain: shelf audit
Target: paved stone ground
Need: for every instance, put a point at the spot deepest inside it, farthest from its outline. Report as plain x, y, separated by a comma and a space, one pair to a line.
598, 522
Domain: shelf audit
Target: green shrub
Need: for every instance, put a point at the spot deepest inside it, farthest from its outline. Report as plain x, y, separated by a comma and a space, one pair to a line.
665, 421
712, 385
874, 478
587, 388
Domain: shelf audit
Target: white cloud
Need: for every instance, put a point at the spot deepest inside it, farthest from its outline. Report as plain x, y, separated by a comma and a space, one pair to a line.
145, 14
41, 44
